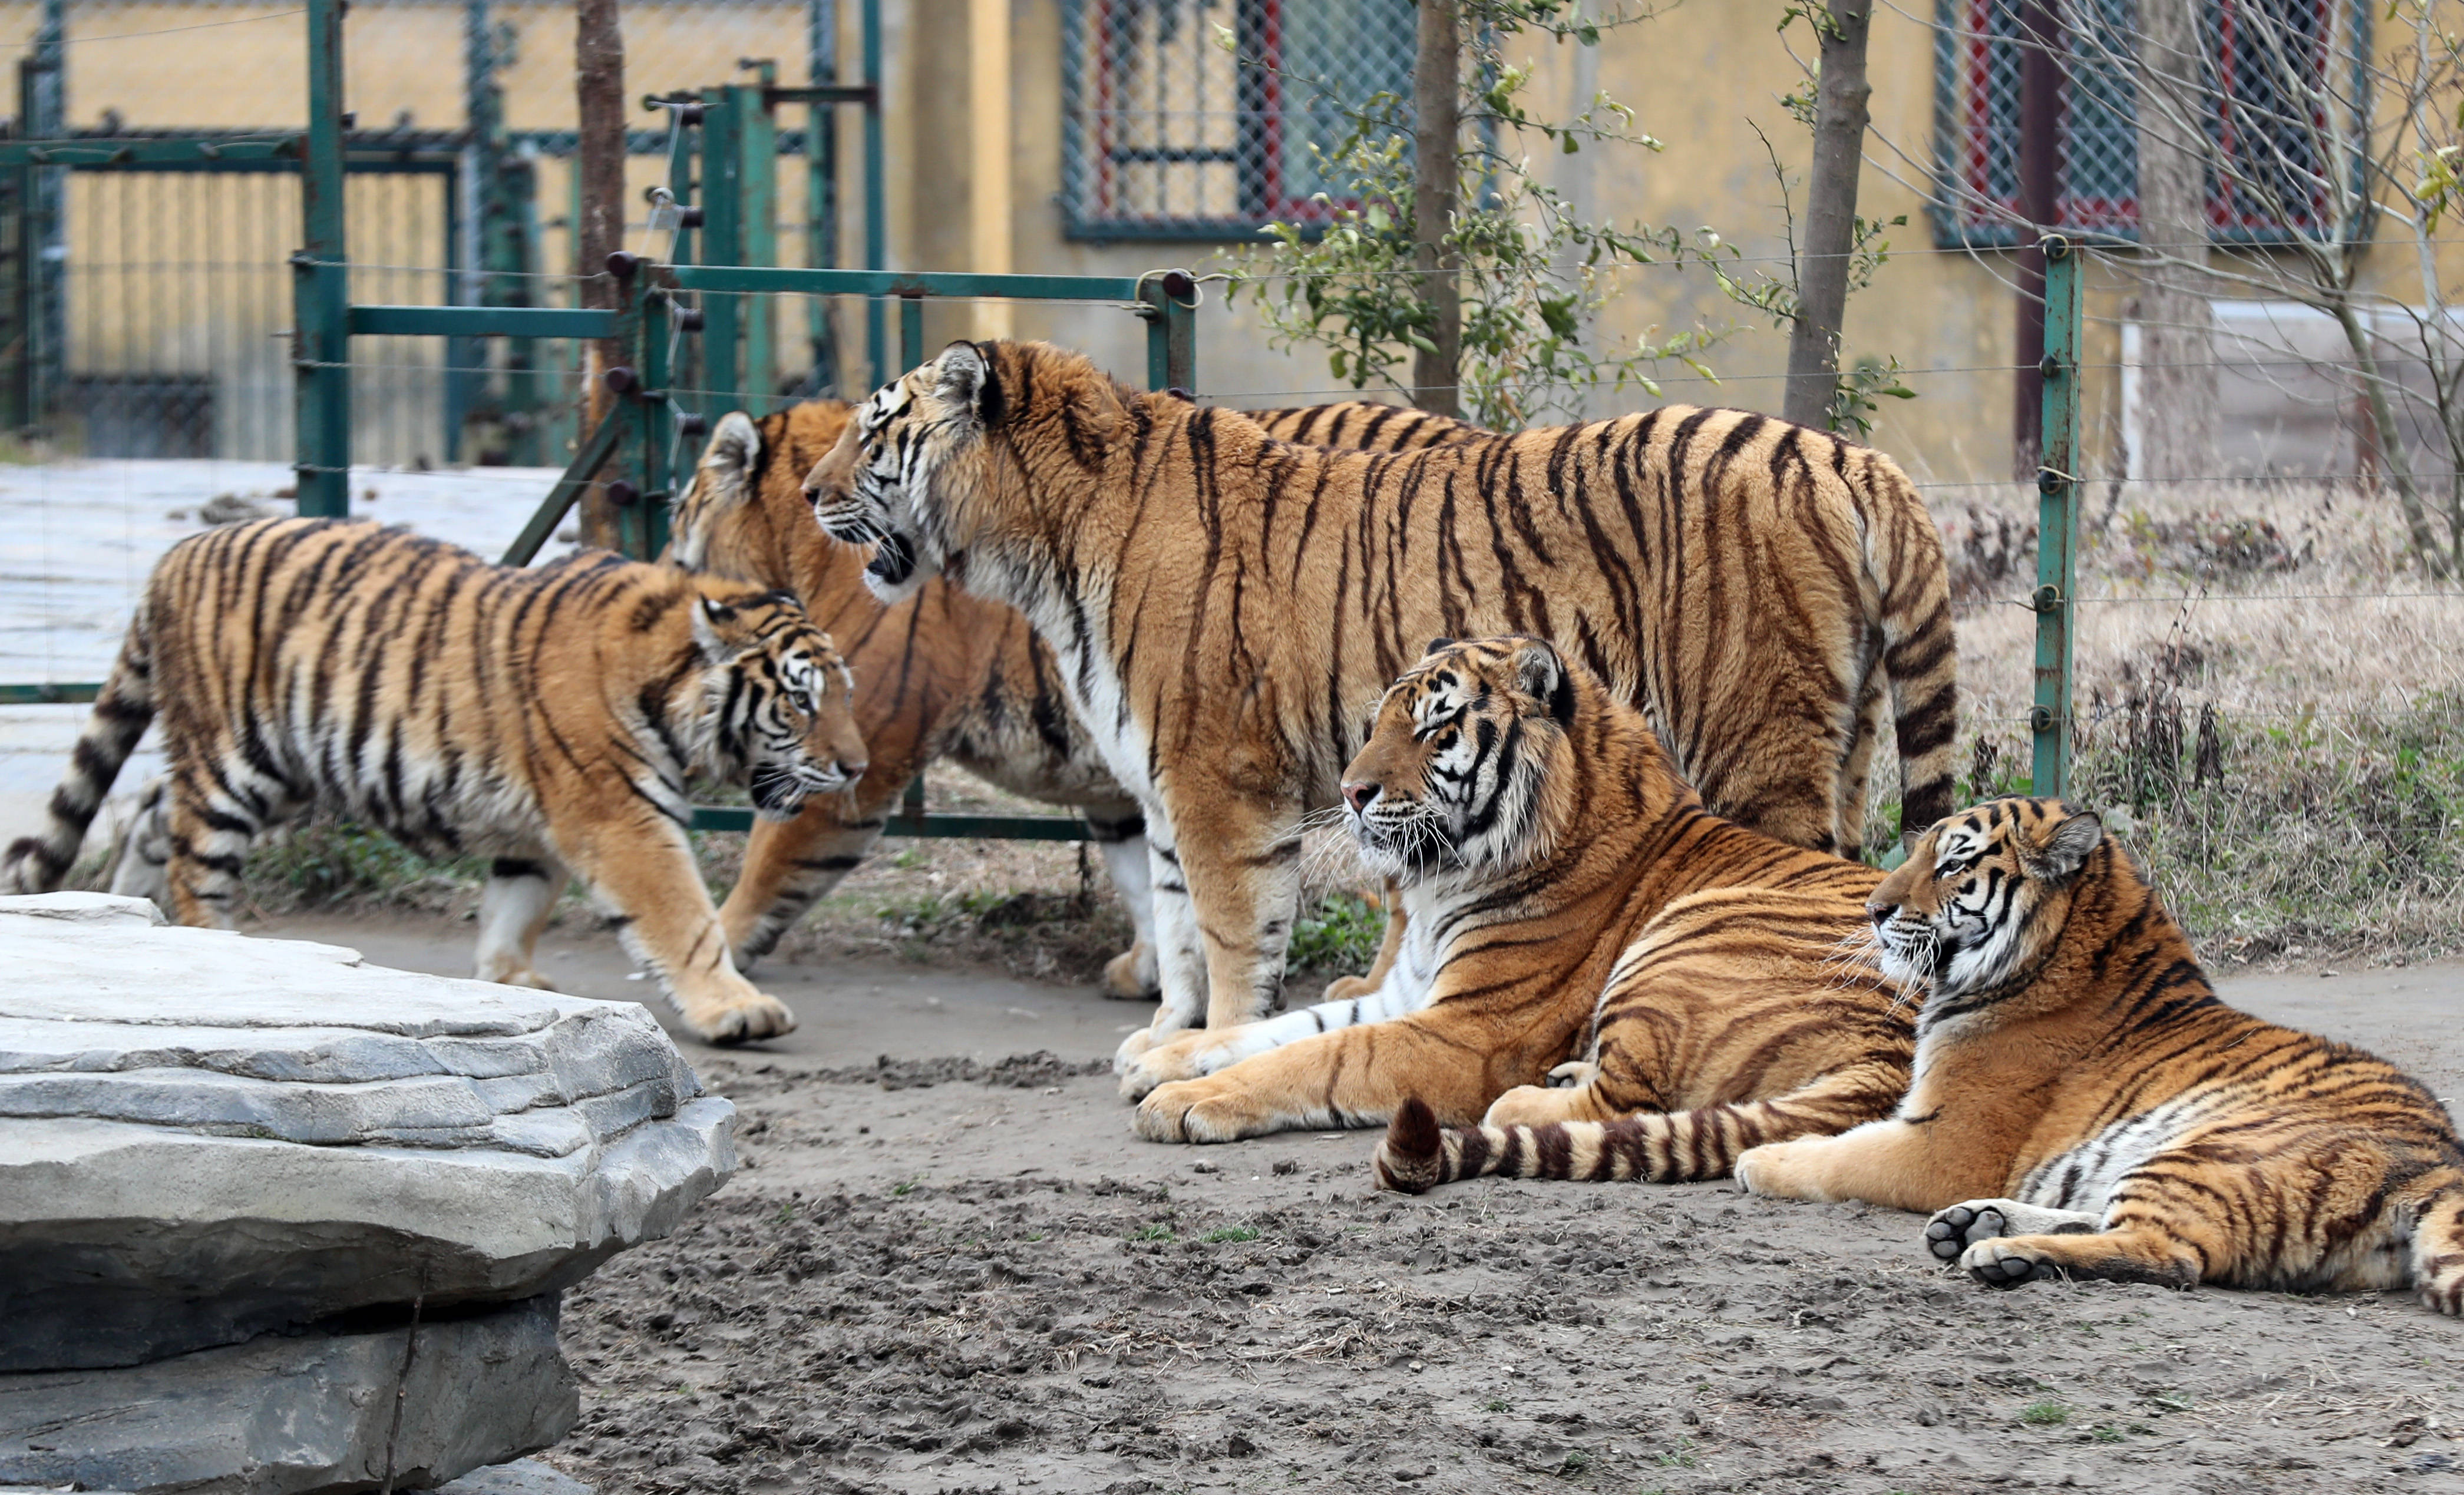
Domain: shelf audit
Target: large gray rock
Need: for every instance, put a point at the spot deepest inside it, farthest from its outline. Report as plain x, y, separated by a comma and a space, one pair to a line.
521, 1477
290, 1414
206, 1137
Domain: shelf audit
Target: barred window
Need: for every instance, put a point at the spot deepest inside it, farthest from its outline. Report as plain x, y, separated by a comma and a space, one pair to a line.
1976, 108
1200, 119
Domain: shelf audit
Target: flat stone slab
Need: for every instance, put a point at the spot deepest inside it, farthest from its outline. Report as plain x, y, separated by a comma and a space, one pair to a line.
299, 1414
521, 1477
204, 1137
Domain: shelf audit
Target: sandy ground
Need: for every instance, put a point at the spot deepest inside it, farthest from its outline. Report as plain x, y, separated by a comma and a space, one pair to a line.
944, 1272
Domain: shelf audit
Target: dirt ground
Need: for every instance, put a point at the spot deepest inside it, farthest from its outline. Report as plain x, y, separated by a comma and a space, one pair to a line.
946, 1267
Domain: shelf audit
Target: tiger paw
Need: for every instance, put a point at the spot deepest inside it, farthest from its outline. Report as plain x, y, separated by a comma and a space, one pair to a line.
1778, 1170
1348, 988
1132, 1047
738, 1019
1538, 1105
1573, 1074
1200, 1111
1131, 976
1180, 1057
2006, 1263
527, 976
1952, 1231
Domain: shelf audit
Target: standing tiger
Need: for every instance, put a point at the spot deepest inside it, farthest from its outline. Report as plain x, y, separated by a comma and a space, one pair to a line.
1559, 875
1223, 608
545, 717
941, 674
2084, 1106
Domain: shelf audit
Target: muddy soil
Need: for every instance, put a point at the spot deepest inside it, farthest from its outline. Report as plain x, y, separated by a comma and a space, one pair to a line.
952, 1269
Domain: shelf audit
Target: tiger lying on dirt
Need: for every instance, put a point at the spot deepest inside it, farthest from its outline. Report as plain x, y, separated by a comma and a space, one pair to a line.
546, 717
2085, 1107
1558, 873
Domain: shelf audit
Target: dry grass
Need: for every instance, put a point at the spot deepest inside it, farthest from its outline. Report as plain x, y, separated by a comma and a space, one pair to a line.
2271, 703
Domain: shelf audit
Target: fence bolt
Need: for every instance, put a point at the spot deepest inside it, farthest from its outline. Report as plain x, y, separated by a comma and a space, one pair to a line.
621, 379
689, 426
621, 265
1179, 393
1177, 285
688, 319
2046, 599
2041, 719
2049, 366
2048, 481
689, 217
623, 494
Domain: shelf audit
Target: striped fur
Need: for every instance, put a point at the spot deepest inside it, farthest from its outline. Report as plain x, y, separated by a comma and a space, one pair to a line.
1225, 608
942, 674
1570, 899
2084, 1107
548, 718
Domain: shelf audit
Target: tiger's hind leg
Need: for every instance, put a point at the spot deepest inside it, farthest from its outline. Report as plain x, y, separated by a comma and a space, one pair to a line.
213, 820
1120, 833
2438, 1247
141, 866
514, 910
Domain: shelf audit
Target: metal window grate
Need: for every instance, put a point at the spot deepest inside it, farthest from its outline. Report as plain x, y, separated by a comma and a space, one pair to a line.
1976, 107
1198, 119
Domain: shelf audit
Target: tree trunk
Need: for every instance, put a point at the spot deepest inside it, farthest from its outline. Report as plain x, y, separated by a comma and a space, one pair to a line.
2177, 418
1435, 121
599, 90
2392, 456
1840, 116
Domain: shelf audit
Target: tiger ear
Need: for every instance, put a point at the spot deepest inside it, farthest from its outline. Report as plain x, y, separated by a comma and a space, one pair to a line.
709, 616
963, 376
2066, 850
724, 481
1436, 645
1539, 674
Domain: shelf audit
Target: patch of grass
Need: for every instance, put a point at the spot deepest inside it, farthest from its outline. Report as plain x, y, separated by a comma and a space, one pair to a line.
324, 864
1341, 933
1154, 1232
1227, 1233
1497, 1404
2104, 1433
2045, 1414
903, 1190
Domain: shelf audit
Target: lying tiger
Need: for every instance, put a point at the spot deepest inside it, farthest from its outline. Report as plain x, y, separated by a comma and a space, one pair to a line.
2085, 1107
1223, 608
1559, 876
545, 717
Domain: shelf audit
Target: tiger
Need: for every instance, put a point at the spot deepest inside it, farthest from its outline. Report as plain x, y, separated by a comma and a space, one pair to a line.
1223, 608
1594, 960
547, 719
943, 675
2085, 1107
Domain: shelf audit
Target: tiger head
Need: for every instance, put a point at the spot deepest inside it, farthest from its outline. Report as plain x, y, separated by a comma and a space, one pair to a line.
930, 472
1984, 894
742, 512
1461, 757
776, 699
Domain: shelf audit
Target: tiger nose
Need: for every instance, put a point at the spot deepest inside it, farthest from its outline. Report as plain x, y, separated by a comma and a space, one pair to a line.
1881, 912
854, 771
1358, 795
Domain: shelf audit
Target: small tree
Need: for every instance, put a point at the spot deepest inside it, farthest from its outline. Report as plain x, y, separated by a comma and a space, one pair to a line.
1530, 273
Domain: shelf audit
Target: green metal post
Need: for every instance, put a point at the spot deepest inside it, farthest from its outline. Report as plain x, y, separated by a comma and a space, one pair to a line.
758, 180
910, 333
657, 417
1171, 312
46, 116
2057, 595
822, 187
321, 282
877, 232
722, 241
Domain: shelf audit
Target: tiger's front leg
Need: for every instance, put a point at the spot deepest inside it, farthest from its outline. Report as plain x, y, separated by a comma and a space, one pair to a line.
791, 865
641, 864
1242, 862
1180, 953
1449, 1057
